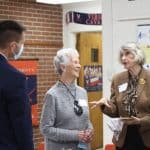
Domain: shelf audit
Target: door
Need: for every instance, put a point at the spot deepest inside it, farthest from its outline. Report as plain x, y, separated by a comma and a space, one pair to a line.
89, 45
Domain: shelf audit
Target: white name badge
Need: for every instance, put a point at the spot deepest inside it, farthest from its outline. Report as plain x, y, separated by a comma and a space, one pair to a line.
123, 87
83, 102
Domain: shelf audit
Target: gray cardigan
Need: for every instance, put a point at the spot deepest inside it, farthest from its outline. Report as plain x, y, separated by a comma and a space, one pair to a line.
59, 124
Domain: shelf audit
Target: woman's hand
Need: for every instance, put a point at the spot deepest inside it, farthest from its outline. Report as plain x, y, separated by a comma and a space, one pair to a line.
81, 135
88, 135
131, 120
85, 136
101, 102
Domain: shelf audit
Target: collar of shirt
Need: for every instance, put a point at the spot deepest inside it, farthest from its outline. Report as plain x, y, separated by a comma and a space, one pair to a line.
3, 55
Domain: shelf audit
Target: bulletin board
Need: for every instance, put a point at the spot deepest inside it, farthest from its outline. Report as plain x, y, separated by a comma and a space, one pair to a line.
143, 39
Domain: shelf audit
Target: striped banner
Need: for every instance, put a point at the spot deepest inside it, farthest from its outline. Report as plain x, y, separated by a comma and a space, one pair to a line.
83, 18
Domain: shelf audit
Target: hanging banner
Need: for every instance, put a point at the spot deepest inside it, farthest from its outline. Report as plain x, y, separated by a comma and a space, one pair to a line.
29, 68
83, 18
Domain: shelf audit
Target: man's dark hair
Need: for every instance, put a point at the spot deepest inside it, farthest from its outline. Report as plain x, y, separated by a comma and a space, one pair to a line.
10, 31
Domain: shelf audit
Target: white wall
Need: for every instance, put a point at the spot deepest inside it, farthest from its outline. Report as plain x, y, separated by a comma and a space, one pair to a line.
69, 40
70, 30
120, 20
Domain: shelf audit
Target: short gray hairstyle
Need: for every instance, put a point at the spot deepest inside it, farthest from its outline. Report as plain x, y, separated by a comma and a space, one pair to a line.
134, 49
63, 56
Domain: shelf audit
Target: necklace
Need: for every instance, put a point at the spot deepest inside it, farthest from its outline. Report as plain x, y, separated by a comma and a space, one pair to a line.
77, 108
73, 96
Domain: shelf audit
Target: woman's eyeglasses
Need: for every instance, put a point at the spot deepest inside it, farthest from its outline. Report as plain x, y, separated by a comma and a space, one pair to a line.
77, 108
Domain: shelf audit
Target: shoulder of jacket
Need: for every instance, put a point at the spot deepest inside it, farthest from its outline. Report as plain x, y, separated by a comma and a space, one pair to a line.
120, 75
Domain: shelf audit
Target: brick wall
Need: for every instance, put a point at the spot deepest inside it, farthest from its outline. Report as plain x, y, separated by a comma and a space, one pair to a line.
43, 39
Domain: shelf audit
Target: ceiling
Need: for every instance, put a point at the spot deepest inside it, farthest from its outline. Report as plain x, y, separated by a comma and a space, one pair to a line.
61, 1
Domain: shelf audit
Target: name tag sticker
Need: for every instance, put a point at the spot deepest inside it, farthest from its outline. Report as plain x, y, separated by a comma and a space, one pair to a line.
83, 102
123, 87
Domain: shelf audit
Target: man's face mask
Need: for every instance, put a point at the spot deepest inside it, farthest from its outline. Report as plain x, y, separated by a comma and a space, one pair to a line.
19, 52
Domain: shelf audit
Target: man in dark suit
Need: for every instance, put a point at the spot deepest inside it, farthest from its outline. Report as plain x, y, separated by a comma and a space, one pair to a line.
15, 115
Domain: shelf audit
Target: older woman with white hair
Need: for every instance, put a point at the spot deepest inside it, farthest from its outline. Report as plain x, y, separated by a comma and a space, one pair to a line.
130, 101
65, 121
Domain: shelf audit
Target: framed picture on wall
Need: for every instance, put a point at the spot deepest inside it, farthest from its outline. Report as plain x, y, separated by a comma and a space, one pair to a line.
93, 78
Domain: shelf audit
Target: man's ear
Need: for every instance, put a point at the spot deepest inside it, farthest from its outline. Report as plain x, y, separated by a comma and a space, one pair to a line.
13, 45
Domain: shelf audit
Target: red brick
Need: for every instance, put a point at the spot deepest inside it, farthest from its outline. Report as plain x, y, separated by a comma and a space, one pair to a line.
44, 38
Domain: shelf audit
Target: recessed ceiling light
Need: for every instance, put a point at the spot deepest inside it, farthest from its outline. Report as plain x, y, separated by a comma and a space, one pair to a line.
60, 1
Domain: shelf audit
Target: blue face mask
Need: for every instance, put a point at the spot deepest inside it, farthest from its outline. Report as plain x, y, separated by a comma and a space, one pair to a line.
17, 56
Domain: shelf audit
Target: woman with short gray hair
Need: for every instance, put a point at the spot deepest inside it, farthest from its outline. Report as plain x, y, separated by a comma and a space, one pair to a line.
130, 101
65, 121
134, 49
62, 57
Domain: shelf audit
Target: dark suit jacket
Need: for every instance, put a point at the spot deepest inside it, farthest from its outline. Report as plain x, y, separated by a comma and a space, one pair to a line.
15, 115
142, 106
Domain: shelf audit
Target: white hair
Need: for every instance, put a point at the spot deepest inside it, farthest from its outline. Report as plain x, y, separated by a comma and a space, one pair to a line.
63, 56
134, 49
